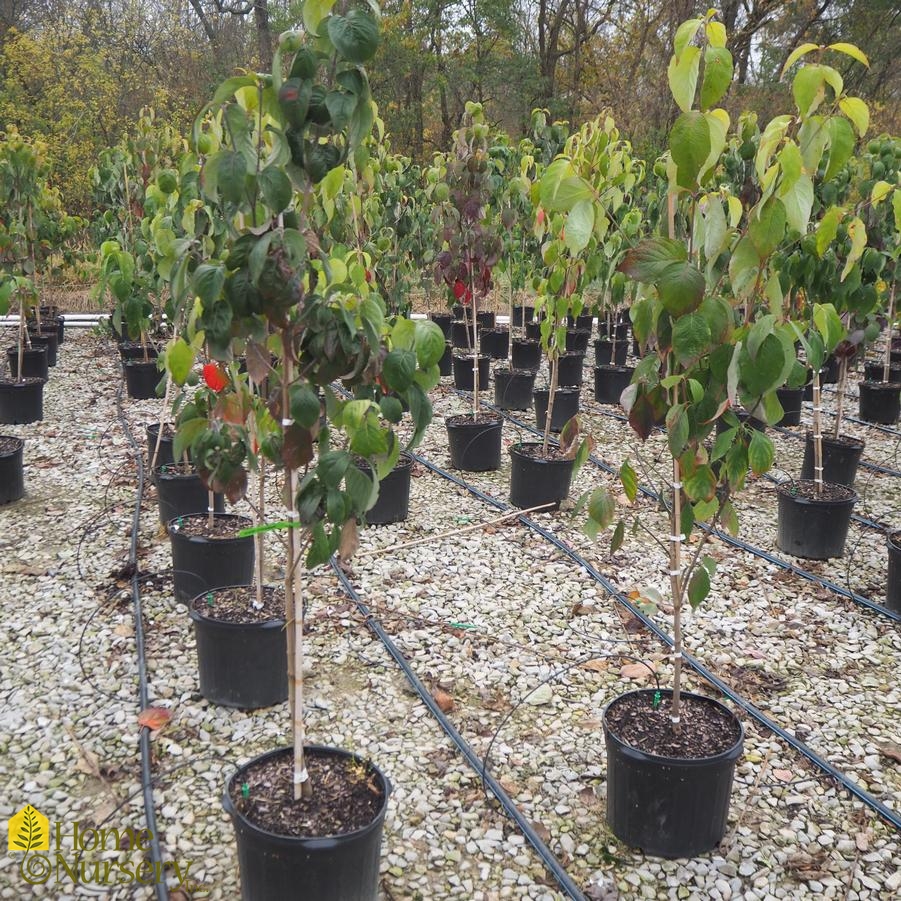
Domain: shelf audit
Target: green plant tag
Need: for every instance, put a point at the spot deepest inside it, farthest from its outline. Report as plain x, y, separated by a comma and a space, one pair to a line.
656, 702
245, 790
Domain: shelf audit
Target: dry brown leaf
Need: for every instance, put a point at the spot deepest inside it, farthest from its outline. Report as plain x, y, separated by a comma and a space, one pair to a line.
154, 717
444, 701
580, 609
542, 831
637, 672
783, 775
509, 785
596, 666
891, 749
588, 724
124, 630
862, 840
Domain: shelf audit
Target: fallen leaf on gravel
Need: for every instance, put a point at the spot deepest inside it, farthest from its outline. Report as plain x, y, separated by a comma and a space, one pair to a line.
637, 672
124, 630
783, 775
154, 717
579, 609
596, 666
542, 831
892, 750
444, 701
862, 840
509, 786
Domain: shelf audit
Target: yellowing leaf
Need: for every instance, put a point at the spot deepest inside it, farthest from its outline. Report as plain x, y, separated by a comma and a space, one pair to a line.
852, 51
682, 74
857, 232
857, 111
716, 34
880, 191
796, 54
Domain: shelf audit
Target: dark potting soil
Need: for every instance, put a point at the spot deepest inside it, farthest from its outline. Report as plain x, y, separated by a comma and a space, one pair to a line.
895, 540
236, 605
706, 729
178, 469
346, 796
224, 525
167, 430
8, 445
534, 451
807, 488
483, 418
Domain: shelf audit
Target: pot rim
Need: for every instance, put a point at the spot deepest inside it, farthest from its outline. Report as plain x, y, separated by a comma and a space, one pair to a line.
784, 490
561, 389
893, 539
733, 751
404, 461
463, 424
15, 450
194, 614
28, 381
872, 385
842, 441
316, 841
515, 450
173, 529
608, 367
523, 373
129, 364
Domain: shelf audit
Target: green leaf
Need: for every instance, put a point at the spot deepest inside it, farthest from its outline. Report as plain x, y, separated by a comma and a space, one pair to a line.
852, 51
717, 76
841, 145
332, 467
722, 444
276, 188
560, 188
601, 508
355, 36
680, 288
186, 434
579, 226
809, 89
682, 74
729, 518
179, 360
685, 34
689, 141
629, 479
232, 176
698, 587
314, 11
619, 534
340, 107
767, 228
677, 428
700, 485
857, 111
371, 439
737, 465
304, 403
399, 368
691, 338
828, 228
361, 488
429, 343
857, 232
760, 452
207, 282
650, 257
796, 54
798, 202
320, 547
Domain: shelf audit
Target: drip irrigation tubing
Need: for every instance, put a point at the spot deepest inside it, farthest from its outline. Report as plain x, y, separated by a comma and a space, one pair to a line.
890, 816
730, 539
510, 808
162, 891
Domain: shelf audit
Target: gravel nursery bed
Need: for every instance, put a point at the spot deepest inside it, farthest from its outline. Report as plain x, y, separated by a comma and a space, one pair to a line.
484, 617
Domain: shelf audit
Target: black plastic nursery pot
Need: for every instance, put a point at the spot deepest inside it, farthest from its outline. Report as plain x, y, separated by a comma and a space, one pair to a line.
671, 807
181, 493
880, 402
533, 331
570, 369
791, 400
495, 342
329, 868
873, 372
610, 382
526, 354
463, 376
50, 340
12, 470
621, 329
893, 583
474, 444
240, 664
840, 459
813, 527
577, 339
200, 564
21, 402
486, 319
141, 379
393, 504
566, 405
604, 351
443, 321
522, 314
134, 350
535, 480
34, 363
513, 388
446, 363
461, 334
164, 454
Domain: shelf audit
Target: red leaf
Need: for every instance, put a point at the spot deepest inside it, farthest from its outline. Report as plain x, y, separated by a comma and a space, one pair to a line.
154, 717
214, 377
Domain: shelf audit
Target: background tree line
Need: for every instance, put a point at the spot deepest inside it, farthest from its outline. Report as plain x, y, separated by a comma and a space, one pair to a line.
77, 72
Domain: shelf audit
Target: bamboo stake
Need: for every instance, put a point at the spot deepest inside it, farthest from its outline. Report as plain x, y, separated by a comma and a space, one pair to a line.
886, 365
452, 533
260, 545
159, 434
817, 434
840, 403
675, 575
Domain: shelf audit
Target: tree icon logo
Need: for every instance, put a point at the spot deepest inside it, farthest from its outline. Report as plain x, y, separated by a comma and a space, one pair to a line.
29, 830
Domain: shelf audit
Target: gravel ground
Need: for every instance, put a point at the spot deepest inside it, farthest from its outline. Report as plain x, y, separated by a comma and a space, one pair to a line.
484, 617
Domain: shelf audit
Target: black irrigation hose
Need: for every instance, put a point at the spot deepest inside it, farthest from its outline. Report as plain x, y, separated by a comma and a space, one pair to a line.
729, 539
162, 891
890, 816
510, 808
